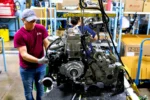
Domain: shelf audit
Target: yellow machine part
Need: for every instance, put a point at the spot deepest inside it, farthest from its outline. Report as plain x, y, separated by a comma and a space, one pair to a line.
128, 98
86, 15
132, 63
4, 33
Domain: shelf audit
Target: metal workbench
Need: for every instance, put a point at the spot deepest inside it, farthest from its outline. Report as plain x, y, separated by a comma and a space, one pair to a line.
64, 93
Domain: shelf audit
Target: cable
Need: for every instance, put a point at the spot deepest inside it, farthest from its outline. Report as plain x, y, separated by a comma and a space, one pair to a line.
83, 5
105, 20
73, 96
80, 97
130, 79
18, 5
131, 25
51, 45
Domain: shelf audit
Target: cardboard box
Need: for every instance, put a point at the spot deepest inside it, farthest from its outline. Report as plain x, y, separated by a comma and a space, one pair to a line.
132, 45
70, 2
74, 4
134, 5
146, 7
59, 6
132, 64
67, 3
41, 12
60, 32
103, 35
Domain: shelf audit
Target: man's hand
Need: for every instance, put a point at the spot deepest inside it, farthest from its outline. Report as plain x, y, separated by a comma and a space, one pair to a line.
43, 60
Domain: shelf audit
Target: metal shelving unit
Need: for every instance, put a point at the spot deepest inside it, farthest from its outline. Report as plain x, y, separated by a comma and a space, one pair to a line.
142, 13
110, 13
120, 26
86, 11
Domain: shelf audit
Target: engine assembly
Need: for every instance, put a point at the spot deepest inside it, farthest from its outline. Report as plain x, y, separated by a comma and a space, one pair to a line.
73, 60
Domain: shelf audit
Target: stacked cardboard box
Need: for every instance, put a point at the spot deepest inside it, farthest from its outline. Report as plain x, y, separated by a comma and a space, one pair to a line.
137, 5
132, 43
134, 5
130, 5
41, 12
73, 3
65, 3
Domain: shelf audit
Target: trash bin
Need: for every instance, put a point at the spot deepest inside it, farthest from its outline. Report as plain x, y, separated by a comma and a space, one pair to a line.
4, 32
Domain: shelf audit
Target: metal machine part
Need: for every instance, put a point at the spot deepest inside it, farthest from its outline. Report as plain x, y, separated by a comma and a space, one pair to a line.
105, 69
46, 81
74, 45
73, 69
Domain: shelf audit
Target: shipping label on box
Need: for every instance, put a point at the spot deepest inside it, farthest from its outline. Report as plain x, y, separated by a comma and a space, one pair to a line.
134, 50
134, 5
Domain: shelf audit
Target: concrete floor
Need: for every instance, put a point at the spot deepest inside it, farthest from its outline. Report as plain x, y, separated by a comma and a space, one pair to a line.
10, 83
11, 87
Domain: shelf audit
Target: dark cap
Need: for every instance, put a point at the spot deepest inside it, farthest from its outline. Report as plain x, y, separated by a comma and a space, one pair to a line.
29, 15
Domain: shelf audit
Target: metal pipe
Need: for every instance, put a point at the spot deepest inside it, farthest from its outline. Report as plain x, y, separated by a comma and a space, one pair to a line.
139, 61
3, 51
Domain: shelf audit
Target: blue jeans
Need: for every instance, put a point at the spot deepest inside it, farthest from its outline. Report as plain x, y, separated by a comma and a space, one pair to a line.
33, 75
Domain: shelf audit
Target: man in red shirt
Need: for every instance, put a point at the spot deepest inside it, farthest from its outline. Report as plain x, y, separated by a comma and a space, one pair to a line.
30, 40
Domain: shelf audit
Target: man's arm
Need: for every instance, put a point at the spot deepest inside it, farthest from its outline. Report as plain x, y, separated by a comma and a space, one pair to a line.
93, 34
23, 51
94, 39
46, 43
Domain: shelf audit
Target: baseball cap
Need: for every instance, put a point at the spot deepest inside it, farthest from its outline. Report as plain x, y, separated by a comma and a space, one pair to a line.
29, 15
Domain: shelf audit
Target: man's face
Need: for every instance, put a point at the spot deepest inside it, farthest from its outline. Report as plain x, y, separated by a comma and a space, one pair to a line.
29, 25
